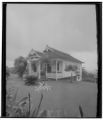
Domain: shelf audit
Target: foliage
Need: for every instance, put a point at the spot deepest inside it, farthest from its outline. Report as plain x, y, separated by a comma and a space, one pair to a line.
20, 65
21, 108
86, 76
36, 111
31, 80
12, 106
12, 70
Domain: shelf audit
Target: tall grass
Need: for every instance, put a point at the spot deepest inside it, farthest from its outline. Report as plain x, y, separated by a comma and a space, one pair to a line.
21, 108
81, 111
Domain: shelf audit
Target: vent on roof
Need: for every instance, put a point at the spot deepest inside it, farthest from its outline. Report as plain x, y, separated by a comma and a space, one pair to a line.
48, 49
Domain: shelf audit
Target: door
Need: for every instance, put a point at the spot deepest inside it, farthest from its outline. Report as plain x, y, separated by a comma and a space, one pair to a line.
43, 71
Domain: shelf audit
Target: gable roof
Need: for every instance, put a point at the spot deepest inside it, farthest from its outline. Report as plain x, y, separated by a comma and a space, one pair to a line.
34, 55
54, 53
33, 52
51, 53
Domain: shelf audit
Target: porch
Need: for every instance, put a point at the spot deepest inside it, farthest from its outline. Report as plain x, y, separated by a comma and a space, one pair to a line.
53, 69
44, 70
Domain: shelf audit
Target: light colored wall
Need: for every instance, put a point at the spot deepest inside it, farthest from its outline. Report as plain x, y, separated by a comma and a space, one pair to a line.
30, 70
80, 73
53, 69
29, 67
53, 66
68, 73
64, 73
53, 75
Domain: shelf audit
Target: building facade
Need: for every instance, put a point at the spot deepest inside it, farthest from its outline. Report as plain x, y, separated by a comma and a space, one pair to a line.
53, 64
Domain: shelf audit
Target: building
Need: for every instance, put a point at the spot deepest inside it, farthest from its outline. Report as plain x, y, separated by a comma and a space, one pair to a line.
54, 64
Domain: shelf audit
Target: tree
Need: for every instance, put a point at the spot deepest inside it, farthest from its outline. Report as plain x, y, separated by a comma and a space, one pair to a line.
84, 74
20, 65
88, 76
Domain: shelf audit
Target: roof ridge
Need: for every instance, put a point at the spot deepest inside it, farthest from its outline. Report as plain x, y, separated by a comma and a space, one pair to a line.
35, 50
53, 49
39, 52
61, 52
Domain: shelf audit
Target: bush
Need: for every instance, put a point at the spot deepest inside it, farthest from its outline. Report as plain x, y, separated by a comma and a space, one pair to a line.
88, 79
31, 80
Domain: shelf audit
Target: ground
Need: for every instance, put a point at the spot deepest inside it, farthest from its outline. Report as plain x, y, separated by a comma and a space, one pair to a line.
63, 95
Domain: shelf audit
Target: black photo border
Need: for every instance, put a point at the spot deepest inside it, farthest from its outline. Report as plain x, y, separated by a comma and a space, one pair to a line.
98, 6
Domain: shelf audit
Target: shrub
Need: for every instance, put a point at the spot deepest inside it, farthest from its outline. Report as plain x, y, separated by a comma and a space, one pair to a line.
31, 80
88, 79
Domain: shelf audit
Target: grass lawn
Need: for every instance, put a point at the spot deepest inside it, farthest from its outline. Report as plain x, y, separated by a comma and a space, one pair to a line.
62, 96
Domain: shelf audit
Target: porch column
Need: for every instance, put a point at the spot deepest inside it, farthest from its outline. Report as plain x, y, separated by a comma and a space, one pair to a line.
46, 70
56, 69
63, 68
39, 71
29, 67
80, 72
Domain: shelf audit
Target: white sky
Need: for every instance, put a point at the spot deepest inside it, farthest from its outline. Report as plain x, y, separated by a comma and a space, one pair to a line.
69, 28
